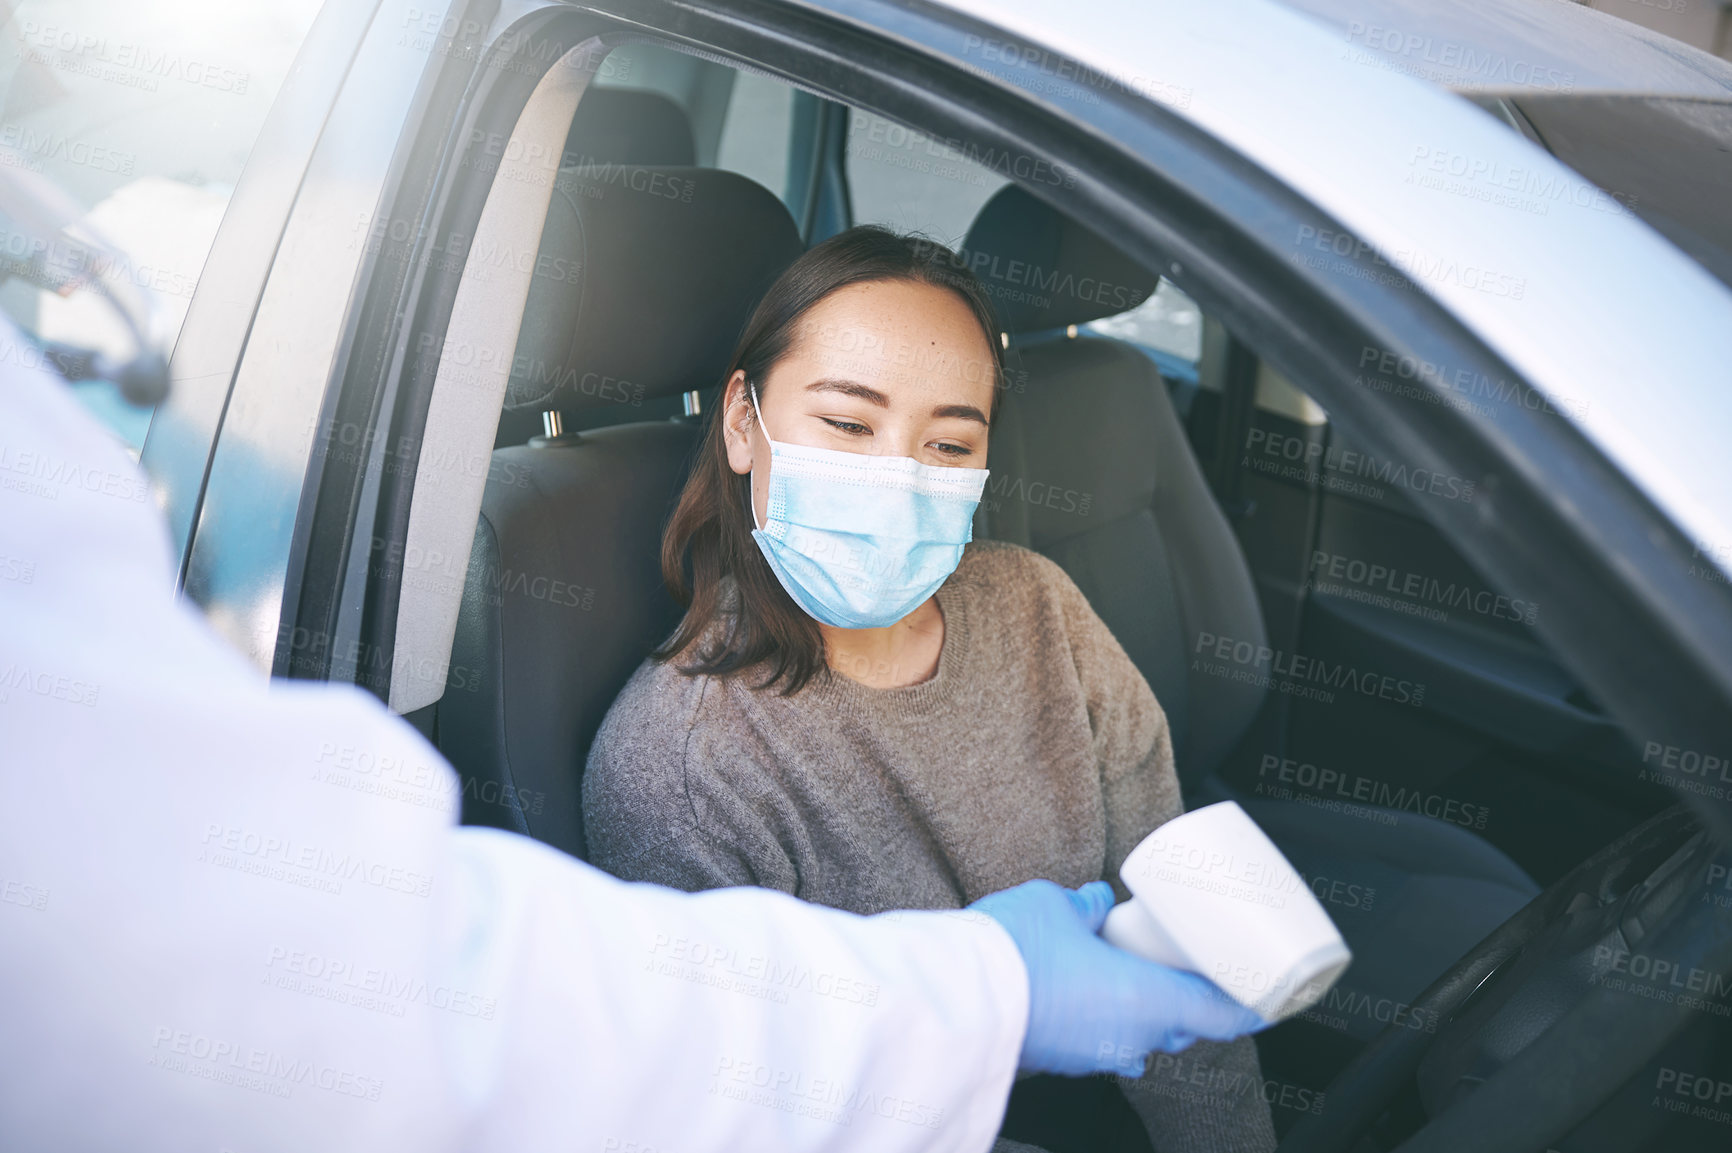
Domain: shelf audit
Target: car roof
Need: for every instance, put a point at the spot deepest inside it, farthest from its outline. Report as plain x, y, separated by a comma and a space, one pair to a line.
1501, 46
1619, 327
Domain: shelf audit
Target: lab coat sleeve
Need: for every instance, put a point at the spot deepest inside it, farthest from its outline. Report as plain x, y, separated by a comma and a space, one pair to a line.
238, 913
731, 1019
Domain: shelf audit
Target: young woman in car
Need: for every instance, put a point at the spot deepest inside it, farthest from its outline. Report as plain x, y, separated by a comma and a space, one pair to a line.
862, 708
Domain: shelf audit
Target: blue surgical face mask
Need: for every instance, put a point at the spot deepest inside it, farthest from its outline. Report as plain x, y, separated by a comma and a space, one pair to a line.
860, 541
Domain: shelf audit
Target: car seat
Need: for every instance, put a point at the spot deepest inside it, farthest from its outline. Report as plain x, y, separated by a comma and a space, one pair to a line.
660, 268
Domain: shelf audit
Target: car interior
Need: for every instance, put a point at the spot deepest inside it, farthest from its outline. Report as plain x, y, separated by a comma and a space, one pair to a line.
1259, 570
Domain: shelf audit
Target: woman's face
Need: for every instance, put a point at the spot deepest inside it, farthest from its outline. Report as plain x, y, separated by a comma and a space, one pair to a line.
895, 368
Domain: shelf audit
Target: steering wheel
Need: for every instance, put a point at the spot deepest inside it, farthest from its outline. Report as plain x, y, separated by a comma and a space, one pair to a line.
1530, 1040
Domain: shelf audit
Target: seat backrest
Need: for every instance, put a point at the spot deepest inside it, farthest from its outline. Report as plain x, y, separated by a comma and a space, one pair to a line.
658, 271
1091, 467
628, 126
612, 129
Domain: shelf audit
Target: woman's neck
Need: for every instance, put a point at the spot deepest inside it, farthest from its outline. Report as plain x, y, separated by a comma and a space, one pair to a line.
893, 657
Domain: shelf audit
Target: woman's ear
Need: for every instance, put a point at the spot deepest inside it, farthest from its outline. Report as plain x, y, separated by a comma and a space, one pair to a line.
738, 423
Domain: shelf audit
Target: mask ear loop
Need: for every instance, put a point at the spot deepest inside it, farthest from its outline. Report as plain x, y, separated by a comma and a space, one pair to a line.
752, 481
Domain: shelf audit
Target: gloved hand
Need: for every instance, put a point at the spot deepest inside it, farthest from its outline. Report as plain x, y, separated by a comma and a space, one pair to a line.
1093, 1008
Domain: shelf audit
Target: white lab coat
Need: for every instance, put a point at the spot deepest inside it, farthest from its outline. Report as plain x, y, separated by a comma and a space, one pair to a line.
237, 914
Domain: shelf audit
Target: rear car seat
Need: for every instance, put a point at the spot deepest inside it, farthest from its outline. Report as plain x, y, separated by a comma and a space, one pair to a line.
657, 271
1091, 466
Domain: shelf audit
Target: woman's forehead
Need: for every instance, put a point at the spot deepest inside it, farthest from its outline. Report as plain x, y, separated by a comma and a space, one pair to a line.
896, 336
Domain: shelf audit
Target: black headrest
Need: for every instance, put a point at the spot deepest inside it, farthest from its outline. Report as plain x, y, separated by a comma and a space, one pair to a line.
645, 280
1044, 270
628, 126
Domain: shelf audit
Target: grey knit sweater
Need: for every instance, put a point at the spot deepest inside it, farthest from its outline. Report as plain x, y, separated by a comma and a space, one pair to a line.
1037, 750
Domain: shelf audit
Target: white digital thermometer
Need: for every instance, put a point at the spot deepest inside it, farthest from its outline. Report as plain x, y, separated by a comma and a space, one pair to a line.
1212, 895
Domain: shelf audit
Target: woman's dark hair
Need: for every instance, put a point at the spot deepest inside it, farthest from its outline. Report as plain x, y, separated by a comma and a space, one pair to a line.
709, 536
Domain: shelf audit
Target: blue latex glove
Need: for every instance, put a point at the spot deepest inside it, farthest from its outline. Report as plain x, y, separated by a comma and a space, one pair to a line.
1093, 1008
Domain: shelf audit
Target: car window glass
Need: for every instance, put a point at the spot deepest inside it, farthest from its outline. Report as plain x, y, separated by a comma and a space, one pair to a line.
755, 132
1168, 322
907, 180
143, 112
740, 120
700, 87
912, 182
1667, 161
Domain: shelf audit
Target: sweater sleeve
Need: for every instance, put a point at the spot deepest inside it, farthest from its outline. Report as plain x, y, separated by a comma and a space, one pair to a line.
1133, 745
1209, 1098
649, 814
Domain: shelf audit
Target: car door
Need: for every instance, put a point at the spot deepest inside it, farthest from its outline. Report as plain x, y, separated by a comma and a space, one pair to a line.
275, 420
325, 520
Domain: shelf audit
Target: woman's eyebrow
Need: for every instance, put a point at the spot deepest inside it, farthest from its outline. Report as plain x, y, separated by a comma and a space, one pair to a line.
962, 411
872, 396
850, 388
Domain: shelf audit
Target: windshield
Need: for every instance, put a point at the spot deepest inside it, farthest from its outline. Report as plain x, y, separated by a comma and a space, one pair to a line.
1667, 160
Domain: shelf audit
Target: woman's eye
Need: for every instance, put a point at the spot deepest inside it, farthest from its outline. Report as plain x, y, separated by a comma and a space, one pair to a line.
852, 428
947, 449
